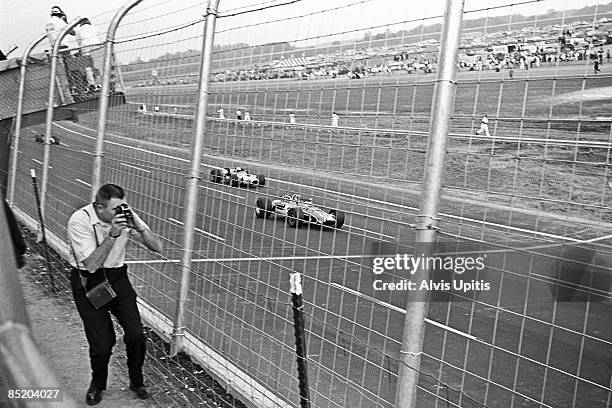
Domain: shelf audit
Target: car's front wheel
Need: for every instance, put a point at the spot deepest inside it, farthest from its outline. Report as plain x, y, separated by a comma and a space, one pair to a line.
339, 218
215, 176
263, 208
295, 217
262, 179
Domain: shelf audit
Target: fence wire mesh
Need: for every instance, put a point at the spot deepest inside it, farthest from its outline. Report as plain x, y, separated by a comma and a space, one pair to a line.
332, 102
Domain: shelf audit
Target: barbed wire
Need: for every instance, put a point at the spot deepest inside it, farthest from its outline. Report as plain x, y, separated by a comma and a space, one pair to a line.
260, 8
314, 13
162, 32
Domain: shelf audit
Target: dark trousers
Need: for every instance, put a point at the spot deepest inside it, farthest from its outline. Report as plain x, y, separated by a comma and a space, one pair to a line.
99, 327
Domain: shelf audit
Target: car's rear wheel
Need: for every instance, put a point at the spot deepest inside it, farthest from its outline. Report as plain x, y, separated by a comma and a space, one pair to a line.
263, 208
295, 217
215, 176
339, 218
262, 179
234, 181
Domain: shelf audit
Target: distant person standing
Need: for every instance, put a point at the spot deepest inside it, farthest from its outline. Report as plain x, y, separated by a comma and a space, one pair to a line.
608, 55
596, 66
334, 119
238, 114
484, 126
74, 75
247, 115
221, 113
511, 73
292, 118
87, 37
56, 23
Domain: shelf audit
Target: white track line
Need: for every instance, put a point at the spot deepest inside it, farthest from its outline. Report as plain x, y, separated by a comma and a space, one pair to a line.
86, 152
403, 311
137, 168
252, 259
83, 182
371, 232
223, 192
41, 163
198, 229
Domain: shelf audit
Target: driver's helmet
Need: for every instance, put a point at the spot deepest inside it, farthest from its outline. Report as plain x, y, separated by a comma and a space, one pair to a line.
296, 197
308, 200
238, 168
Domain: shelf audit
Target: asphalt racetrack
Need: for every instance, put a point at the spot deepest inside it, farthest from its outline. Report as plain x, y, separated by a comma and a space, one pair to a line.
514, 337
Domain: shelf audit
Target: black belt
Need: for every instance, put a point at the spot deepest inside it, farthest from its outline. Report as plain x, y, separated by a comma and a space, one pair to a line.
86, 273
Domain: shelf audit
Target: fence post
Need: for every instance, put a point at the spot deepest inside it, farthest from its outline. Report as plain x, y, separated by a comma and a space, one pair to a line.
105, 93
50, 106
42, 229
15, 152
426, 222
295, 281
193, 178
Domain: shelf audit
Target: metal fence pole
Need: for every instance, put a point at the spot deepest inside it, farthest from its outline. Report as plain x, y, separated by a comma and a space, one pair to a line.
426, 223
295, 280
50, 106
105, 93
194, 176
15, 152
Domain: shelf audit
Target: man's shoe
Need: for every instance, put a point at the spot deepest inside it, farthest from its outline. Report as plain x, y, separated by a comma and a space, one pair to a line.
140, 391
93, 396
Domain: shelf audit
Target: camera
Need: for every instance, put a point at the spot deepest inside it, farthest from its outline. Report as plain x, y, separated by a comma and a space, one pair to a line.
125, 210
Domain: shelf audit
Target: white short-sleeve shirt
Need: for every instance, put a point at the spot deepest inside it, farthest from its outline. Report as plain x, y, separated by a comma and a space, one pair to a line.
84, 241
87, 35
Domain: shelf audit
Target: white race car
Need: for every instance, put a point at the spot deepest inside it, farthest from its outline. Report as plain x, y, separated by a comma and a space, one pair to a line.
236, 177
298, 211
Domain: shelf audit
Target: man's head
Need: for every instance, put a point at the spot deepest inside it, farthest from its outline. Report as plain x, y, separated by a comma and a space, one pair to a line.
56, 11
108, 197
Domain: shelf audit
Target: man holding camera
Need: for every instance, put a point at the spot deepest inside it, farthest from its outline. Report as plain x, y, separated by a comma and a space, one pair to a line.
98, 234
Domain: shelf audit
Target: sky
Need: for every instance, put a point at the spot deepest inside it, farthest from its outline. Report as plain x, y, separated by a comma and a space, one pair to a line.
21, 22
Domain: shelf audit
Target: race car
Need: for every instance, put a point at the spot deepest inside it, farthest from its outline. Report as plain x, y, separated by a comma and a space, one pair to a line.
236, 177
41, 139
298, 211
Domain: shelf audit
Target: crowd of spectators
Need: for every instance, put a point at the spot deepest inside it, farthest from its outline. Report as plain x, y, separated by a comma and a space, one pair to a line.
522, 49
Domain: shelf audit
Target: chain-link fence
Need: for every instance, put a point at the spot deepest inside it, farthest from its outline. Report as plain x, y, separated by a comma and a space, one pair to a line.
326, 109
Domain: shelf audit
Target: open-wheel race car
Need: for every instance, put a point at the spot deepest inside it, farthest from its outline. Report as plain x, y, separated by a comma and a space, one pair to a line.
298, 211
236, 177
40, 138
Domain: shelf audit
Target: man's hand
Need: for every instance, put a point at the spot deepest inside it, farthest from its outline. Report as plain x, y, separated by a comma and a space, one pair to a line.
134, 222
118, 224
